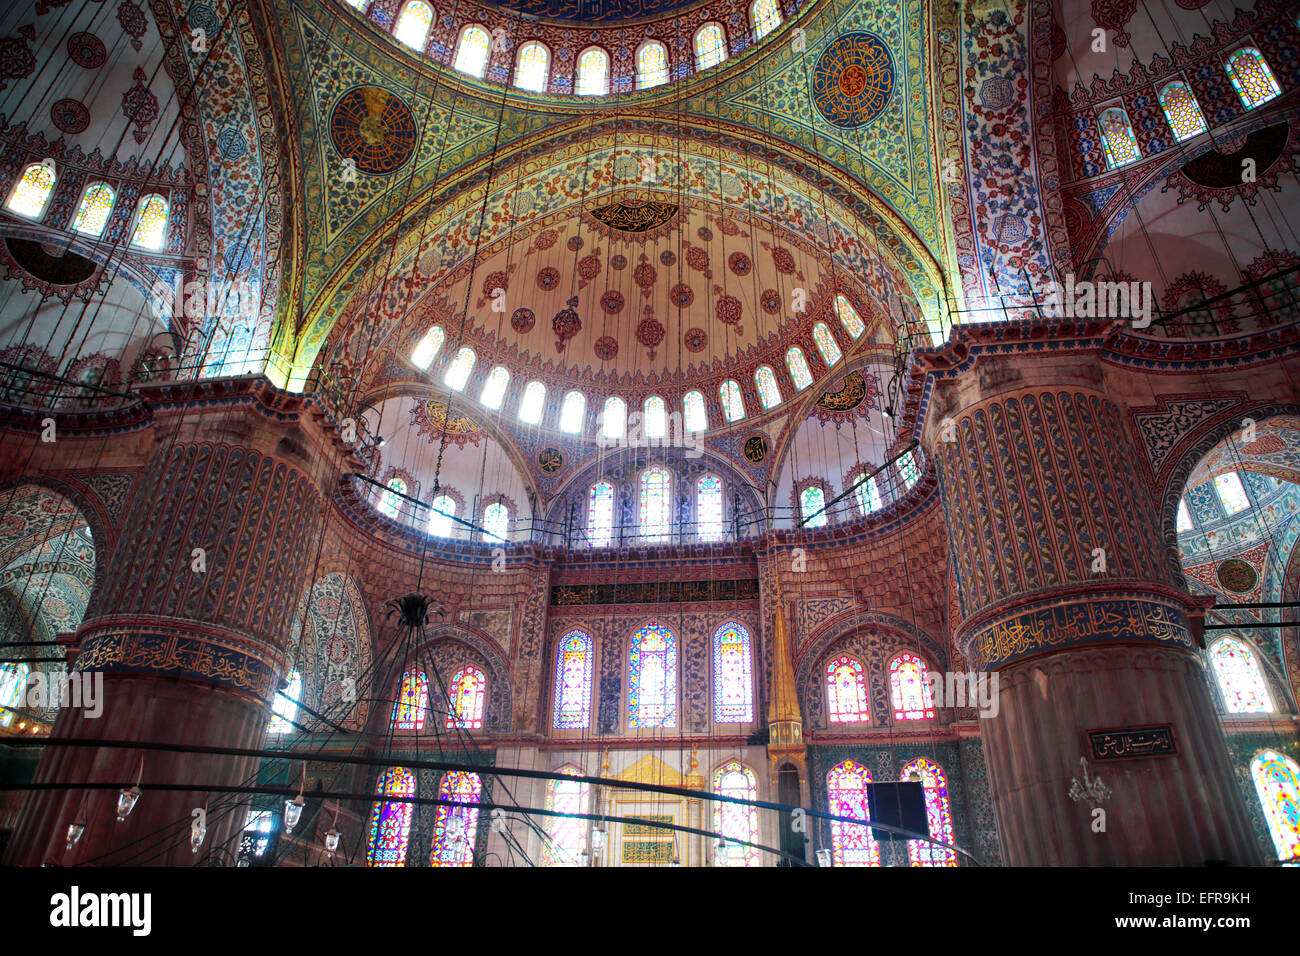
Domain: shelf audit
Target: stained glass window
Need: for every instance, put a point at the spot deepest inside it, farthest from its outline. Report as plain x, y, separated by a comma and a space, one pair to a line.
412, 699
798, 366
456, 828
593, 72
696, 419
533, 67
1117, 138
33, 191
651, 64
1251, 77
1277, 781
459, 369
765, 15
600, 514
467, 690
13, 690
151, 226
848, 317
494, 388
655, 513
708, 507
733, 403
1184, 521
1240, 679
655, 418
573, 663
496, 522
423, 354
710, 46
566, 837
937, 812
572, 412
846, 795
358, 4
867, 493
812, 507
390, 823
390, 504
736, 821
1231, 494
769, 393
652, 681
826, 343
613, 423
846, 690
534, 403
909, 688
908, 470
93, 211
1182, 111
284, 709
733, 675
413, 22
441, 511
472, 51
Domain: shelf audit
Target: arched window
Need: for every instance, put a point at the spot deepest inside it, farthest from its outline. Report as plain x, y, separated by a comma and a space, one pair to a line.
459, 369
441, 512
651, 64
472, 51
593, 72
566, 837
32, 191
1239, 676
412, 698
848, 317
909, 688
812, 507
733, 675
866, 493
654, 418
412, 26
1117, 138
826, 343
935, 787
284, 710
456, 828
534, 403
655, 513
151, 223
533, 67
733, 403
846, 795
94, 209
466, 692
769, 393
908, 469
572, 412
423, 354
1231, 493
652, 678
1182, 111
390, 504
764, 16
708, 507
613, 422
846, 691
1277, 781
736, 821
710, 46
13, 690
600, 514
390, 823
358, 4
694, 416
573, 664
494, 388
798, 366
1251, 77
496, 522
1184, 518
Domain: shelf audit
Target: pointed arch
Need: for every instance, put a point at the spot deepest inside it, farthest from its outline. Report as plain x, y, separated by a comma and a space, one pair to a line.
1277, 782
472, 49
846, 691
390, 823
852, 844
1240, 678
467, 692
736, 821
411, 702
574, 660
31, 194
413, 22
566, 837
938, 812
455, 828
652, 677
733, 674
909, 688
533, 66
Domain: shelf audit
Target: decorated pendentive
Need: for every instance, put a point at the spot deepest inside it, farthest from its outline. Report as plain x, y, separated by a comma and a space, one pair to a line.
852, 80
373, 128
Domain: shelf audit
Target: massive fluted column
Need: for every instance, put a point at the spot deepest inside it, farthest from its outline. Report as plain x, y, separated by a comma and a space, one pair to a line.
1066, 593
191, 629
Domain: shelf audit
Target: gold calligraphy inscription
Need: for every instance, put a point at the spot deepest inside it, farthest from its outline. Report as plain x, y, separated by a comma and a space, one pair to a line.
172, 654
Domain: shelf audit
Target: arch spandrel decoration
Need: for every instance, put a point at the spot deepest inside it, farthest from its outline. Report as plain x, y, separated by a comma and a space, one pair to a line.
330, 646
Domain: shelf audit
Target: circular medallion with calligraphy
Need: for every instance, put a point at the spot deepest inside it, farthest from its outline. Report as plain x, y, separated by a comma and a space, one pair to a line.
374, 128
852, 80
1237, 576
550, 460
755, 449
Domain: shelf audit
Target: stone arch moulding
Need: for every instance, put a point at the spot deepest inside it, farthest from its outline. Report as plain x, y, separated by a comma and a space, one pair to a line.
498, 710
